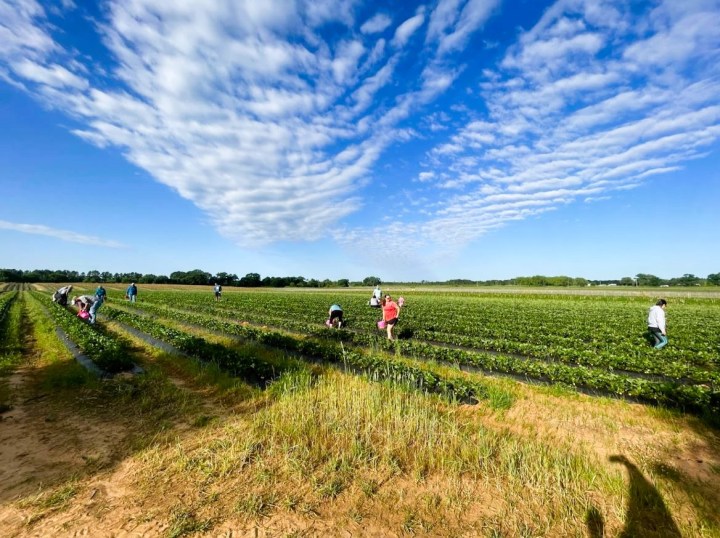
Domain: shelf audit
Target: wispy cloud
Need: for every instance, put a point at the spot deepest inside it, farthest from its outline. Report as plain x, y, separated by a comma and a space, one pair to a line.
248, 109
593, 99
63, 235
271, 116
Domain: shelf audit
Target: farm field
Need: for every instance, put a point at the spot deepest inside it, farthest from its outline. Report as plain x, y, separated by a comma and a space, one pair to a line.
495, 413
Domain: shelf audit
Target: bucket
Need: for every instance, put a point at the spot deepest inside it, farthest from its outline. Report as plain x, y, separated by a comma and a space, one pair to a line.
381, 324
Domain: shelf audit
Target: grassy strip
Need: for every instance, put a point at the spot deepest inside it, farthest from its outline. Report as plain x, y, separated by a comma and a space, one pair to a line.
107, 352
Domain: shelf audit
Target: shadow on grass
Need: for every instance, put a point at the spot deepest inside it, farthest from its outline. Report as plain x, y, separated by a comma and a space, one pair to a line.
646, 514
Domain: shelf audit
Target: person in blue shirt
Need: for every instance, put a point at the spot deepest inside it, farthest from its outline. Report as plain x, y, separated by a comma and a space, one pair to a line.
336, 316
100, 296
132, 292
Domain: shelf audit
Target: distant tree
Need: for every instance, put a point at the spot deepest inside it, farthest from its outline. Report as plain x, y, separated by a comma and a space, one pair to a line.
225, 279
626, 281
343, 283
11, 275
250, 280
647, 280
714, 279
313, 283
147, 279
372, 281
686, 280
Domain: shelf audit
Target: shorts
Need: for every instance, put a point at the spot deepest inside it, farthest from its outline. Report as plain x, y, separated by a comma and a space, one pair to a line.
392, 322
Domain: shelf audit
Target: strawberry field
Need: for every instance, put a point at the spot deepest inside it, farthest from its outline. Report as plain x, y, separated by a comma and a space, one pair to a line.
591, 342
594, 343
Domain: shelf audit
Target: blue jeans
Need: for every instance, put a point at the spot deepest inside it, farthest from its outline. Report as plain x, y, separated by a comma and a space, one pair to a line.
132, 298
94, 308
659, 338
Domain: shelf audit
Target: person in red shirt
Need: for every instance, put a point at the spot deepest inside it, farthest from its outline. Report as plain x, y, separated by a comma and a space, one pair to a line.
391, 313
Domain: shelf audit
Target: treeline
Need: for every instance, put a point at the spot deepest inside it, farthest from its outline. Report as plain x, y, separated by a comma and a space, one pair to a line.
253, 280
196, 277
640, 279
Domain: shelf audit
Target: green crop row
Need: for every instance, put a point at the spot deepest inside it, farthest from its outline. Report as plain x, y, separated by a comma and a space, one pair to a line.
246, 367
606, 333
696, 398
377, 368
105, 351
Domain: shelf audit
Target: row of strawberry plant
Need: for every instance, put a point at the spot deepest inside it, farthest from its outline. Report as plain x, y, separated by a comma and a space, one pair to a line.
378, 368
669, 393
249, 368
107, 352
609, 359
6, 301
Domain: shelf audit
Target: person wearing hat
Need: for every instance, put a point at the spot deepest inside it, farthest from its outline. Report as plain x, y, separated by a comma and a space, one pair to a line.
132, 292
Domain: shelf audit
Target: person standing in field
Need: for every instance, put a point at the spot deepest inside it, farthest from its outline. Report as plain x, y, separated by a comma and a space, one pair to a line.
132, 292
377, 293
656, 324
391, 313
218, 291
100, 296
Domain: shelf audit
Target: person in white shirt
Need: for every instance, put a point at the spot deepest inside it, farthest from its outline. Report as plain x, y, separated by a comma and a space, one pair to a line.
656, 324
61, 296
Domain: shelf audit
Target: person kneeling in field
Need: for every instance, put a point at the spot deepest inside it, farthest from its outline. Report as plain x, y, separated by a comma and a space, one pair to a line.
336, 316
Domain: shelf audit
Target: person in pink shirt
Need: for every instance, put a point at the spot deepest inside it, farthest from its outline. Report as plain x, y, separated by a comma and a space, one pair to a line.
391, 313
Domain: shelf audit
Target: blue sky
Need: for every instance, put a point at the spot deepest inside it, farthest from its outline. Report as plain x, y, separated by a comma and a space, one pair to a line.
480, 139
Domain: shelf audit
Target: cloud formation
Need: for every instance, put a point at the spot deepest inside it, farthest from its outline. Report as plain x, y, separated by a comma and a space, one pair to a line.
594, 98
271, 116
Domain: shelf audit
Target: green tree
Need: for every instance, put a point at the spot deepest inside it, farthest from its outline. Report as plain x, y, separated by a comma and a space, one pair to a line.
251, 280
372, 281
647, 280
714, 279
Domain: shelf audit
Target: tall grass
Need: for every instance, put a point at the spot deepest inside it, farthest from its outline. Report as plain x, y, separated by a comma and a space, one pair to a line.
322, 439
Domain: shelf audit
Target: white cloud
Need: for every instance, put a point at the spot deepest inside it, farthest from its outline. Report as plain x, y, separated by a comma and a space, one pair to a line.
376, 24
63, 235
576, 110
407, 29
